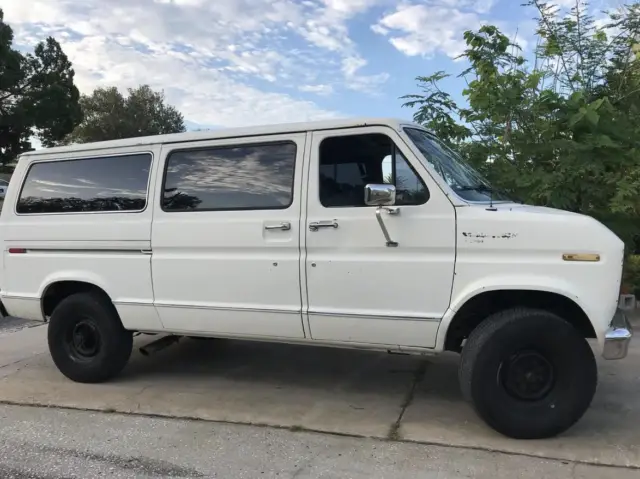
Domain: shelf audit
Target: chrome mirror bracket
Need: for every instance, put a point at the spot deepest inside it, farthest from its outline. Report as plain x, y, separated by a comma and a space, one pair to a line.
383, 227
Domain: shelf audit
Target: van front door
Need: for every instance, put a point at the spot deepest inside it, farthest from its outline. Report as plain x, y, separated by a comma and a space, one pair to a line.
359, 288
226, 237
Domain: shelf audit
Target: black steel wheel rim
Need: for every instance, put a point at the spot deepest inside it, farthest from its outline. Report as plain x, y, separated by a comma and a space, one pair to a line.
83, 340
527, 376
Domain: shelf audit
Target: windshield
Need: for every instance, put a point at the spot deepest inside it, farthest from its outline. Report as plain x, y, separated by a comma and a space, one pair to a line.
467, 183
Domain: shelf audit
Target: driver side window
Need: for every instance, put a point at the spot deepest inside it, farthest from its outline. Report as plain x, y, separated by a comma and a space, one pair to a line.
349, 163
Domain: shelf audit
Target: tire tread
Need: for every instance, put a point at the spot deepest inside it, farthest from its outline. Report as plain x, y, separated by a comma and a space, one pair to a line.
118, 341
475, 346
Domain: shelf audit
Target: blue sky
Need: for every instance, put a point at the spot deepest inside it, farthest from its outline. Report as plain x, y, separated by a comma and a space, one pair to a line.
244, 62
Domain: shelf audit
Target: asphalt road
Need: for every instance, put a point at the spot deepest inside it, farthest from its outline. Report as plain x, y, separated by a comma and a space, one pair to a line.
353, 393
46, 443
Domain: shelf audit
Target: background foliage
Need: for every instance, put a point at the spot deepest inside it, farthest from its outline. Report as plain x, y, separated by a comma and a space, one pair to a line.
37, 95
560, 129
109, 115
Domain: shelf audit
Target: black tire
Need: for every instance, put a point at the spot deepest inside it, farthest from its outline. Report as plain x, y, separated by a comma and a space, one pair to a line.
528, 373
106, 348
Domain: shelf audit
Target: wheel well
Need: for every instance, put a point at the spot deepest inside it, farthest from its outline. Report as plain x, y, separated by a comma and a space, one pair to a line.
474, 311
56, 292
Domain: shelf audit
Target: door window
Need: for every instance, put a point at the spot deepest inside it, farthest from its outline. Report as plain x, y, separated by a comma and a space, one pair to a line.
242, 177
349, 163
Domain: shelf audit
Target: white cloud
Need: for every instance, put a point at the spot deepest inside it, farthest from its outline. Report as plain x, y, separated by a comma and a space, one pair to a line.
351, 65
317, 89
350, 7
204, 94
327, 28
213, 59
423, 30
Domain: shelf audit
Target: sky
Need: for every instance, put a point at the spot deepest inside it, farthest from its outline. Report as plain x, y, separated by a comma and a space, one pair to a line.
226, 63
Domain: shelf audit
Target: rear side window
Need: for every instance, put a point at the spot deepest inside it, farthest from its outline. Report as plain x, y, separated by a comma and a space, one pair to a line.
243, 177
116, 183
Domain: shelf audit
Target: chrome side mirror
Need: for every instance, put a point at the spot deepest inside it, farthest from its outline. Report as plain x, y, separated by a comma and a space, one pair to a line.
379, 195
384, 197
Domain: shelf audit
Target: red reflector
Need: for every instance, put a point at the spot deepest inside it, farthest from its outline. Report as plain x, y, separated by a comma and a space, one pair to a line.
17, 250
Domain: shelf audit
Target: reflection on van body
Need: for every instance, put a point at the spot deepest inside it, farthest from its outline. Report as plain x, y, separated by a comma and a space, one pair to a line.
112, 183
230, 178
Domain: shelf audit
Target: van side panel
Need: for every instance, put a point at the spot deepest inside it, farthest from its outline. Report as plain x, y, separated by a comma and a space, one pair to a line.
107, 249
226, 238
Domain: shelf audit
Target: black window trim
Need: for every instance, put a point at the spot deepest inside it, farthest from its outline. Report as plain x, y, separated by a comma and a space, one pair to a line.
395, 148
93, 157
229, 146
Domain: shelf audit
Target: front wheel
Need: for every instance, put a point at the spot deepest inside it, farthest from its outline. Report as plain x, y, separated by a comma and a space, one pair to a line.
86, 339
528, 373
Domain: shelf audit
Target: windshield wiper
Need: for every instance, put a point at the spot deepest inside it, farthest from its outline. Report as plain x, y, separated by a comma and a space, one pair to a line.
482, 188
479, 187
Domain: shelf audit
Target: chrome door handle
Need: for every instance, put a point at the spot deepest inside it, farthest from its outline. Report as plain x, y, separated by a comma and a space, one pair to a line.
323, 224
286, 226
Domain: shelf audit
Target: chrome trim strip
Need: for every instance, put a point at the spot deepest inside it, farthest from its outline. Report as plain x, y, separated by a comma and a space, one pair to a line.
132, 303
373, 316
132, 250
618, 337
23, 298
279, 311
228, 308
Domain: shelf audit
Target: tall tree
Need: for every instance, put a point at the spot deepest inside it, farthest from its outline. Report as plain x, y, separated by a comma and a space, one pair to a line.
37, 95
559, 130
109, 115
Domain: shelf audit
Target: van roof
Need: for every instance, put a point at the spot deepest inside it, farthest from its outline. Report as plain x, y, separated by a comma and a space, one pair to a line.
221, 133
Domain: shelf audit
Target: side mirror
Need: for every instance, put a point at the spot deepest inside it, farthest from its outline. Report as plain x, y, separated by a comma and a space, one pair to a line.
379, 195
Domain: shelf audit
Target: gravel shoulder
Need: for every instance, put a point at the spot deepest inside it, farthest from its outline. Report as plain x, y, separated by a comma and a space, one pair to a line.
9, 324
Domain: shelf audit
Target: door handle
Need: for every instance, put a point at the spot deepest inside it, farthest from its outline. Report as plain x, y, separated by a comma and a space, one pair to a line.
323, 224
286, 226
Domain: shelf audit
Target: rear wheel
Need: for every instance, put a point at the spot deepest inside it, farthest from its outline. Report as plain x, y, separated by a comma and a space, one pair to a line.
528, 373
87, 341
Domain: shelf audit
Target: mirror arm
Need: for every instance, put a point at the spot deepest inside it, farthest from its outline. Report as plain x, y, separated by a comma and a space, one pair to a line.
392, 210
385, 232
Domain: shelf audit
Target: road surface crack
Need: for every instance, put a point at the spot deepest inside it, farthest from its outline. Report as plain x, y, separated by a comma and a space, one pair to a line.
418, 374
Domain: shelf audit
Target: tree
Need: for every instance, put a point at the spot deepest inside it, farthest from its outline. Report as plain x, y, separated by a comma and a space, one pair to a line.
561, 130
108, 115
37, 95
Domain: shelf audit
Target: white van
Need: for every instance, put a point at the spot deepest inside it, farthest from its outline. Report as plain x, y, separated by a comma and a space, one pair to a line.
361, 233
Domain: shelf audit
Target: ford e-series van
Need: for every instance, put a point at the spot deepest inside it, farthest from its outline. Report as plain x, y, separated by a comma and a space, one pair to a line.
361, 233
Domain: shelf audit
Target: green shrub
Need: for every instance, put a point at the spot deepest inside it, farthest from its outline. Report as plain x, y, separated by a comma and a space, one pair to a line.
631, 276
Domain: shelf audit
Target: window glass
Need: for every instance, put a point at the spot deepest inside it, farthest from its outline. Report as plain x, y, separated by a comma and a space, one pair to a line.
230, 178
410, 189
459, 175
116, 183
349, 163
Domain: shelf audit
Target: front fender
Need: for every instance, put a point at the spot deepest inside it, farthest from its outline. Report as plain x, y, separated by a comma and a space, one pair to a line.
508, 282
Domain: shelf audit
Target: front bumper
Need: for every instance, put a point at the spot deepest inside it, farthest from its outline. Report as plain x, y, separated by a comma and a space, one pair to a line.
618, 337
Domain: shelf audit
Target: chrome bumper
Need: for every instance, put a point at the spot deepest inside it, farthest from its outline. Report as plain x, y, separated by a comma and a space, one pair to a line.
618, 337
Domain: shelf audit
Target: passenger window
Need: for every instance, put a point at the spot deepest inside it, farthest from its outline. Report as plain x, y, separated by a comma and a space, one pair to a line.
115, 183
349, 163
255, 177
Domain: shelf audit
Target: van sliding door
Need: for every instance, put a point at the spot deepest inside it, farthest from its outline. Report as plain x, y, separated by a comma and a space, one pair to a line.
226, 237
